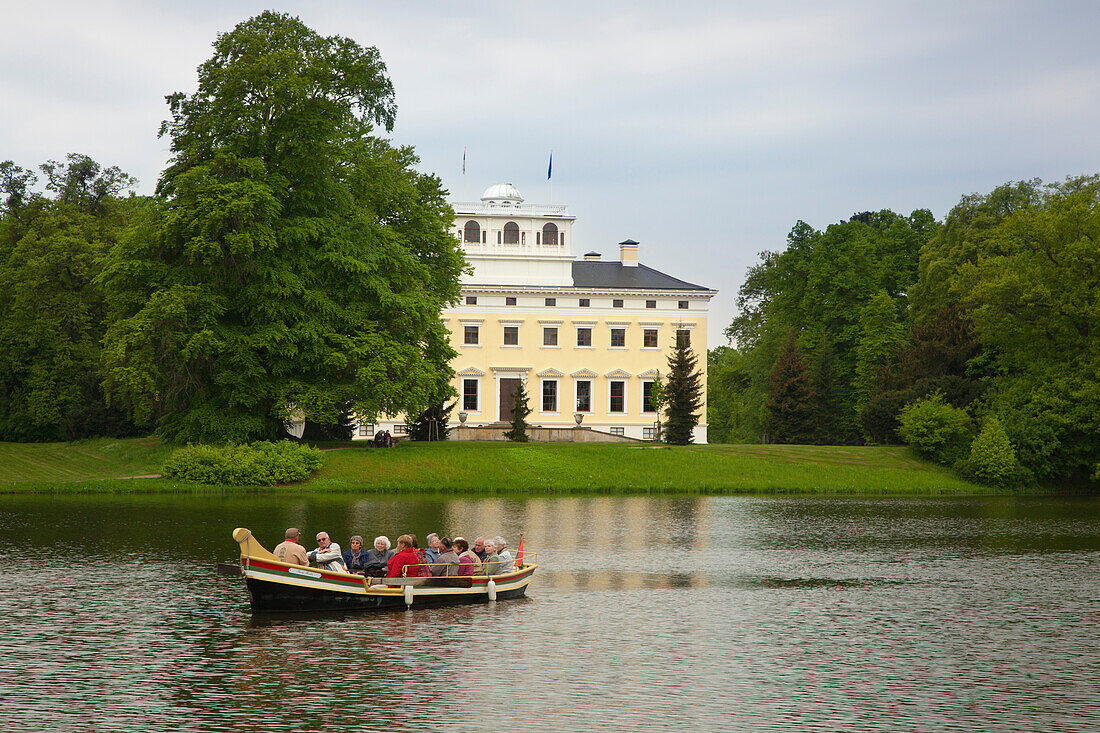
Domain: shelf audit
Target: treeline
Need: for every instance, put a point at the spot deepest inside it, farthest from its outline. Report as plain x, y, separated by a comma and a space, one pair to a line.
291, 264
53, 244
973, 339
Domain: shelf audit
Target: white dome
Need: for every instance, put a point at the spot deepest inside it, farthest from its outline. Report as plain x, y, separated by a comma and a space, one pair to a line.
502, 192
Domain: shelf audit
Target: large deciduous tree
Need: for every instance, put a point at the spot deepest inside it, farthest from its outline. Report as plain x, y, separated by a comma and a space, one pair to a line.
292, 260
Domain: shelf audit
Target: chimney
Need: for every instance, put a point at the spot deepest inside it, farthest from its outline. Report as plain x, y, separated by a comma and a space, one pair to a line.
628, 253
592, 257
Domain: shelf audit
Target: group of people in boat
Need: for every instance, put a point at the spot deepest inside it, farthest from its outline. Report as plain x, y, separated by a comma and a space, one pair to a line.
443, 556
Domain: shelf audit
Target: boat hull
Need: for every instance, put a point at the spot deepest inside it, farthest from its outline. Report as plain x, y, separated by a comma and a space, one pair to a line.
278, 588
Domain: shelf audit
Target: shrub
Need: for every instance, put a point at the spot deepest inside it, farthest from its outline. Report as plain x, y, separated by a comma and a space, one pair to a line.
992, 458
936, 429
258, 464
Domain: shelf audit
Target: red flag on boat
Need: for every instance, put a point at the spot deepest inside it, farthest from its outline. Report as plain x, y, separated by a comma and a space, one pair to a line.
519, 554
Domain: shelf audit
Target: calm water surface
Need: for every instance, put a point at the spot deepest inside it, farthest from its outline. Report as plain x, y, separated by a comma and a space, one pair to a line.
740, 613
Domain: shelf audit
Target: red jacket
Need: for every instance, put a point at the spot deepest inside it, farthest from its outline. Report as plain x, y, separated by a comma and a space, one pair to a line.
409, 557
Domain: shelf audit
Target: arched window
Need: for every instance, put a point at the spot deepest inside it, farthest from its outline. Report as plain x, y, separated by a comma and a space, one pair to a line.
472, 232
550, 235
511, 233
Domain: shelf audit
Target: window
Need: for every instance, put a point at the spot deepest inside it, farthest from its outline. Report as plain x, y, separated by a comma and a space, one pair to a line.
683, 338
509, 301
471, 300
649, 338
469, 395
550, 395
470, 336
618, 397
511, 233
617, 303
584, 337
511, 335
471, 232
550, 336
584, 396
617, 430
647, 397
618, 338
550, 235
585, 302
651, 304
682, 305
364, 430
551, 301
401, 429
649, 433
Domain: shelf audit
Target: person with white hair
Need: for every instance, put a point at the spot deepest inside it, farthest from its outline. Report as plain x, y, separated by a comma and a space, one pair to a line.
435, 549
506, 559
378, 556
491, 564
327, 554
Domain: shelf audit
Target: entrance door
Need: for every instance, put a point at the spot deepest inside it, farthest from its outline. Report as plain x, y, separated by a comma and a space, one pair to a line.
507, 398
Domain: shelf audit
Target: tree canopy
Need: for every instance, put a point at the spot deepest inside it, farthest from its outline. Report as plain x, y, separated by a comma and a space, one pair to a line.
52, 246
291, 260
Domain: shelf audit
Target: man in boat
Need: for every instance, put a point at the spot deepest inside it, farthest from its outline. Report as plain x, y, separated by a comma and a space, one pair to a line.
327, 554
447, 562
290, 551
479, 548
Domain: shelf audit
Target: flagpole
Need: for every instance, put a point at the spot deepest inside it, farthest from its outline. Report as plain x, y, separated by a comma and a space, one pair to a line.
549, 175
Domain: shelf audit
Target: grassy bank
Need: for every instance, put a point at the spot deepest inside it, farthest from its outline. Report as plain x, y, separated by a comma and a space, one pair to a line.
477, 468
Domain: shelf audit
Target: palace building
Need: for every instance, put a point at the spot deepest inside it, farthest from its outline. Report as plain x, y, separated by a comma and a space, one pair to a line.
587, 336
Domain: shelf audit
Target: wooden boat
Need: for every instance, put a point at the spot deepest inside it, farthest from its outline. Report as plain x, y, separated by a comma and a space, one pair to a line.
275, 586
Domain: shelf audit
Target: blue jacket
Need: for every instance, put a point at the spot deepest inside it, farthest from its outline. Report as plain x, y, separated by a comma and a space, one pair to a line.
364, 560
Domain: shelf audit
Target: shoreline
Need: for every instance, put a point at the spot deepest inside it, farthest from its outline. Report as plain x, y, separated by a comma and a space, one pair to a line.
527, 469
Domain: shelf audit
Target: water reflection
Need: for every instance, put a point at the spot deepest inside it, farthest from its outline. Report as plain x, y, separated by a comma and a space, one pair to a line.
647, 613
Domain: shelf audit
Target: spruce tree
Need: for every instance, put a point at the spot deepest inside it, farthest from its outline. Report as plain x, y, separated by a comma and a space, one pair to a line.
682, 391
520, 411
431, 424
790, 404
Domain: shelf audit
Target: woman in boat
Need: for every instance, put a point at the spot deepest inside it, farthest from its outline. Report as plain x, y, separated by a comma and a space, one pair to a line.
468, 561
378, 556
406, 562
492, 563
356, 559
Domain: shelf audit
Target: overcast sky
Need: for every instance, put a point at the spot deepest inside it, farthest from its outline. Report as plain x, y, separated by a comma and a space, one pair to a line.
702, 130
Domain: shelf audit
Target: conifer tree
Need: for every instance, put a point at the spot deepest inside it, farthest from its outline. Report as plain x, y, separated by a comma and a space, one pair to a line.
431, 424
682, 391
520, 411
790, 404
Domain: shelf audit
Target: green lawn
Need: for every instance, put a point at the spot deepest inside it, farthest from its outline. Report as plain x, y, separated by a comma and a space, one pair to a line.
478, 468
82, 460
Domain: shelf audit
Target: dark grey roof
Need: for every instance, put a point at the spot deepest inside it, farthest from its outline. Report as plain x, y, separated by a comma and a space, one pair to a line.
591, 274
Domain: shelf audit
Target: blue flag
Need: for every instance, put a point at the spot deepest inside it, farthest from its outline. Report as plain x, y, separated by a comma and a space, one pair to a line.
550, 166
463, 160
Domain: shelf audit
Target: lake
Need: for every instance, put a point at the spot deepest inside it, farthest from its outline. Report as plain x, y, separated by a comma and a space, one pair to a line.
701, 613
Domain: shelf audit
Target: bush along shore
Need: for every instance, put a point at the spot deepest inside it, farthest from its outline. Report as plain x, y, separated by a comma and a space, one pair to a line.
478, 468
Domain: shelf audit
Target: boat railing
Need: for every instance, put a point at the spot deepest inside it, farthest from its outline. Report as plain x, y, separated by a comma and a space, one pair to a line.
424, 569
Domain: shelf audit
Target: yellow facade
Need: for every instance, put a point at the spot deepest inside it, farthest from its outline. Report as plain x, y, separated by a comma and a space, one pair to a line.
565, 364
